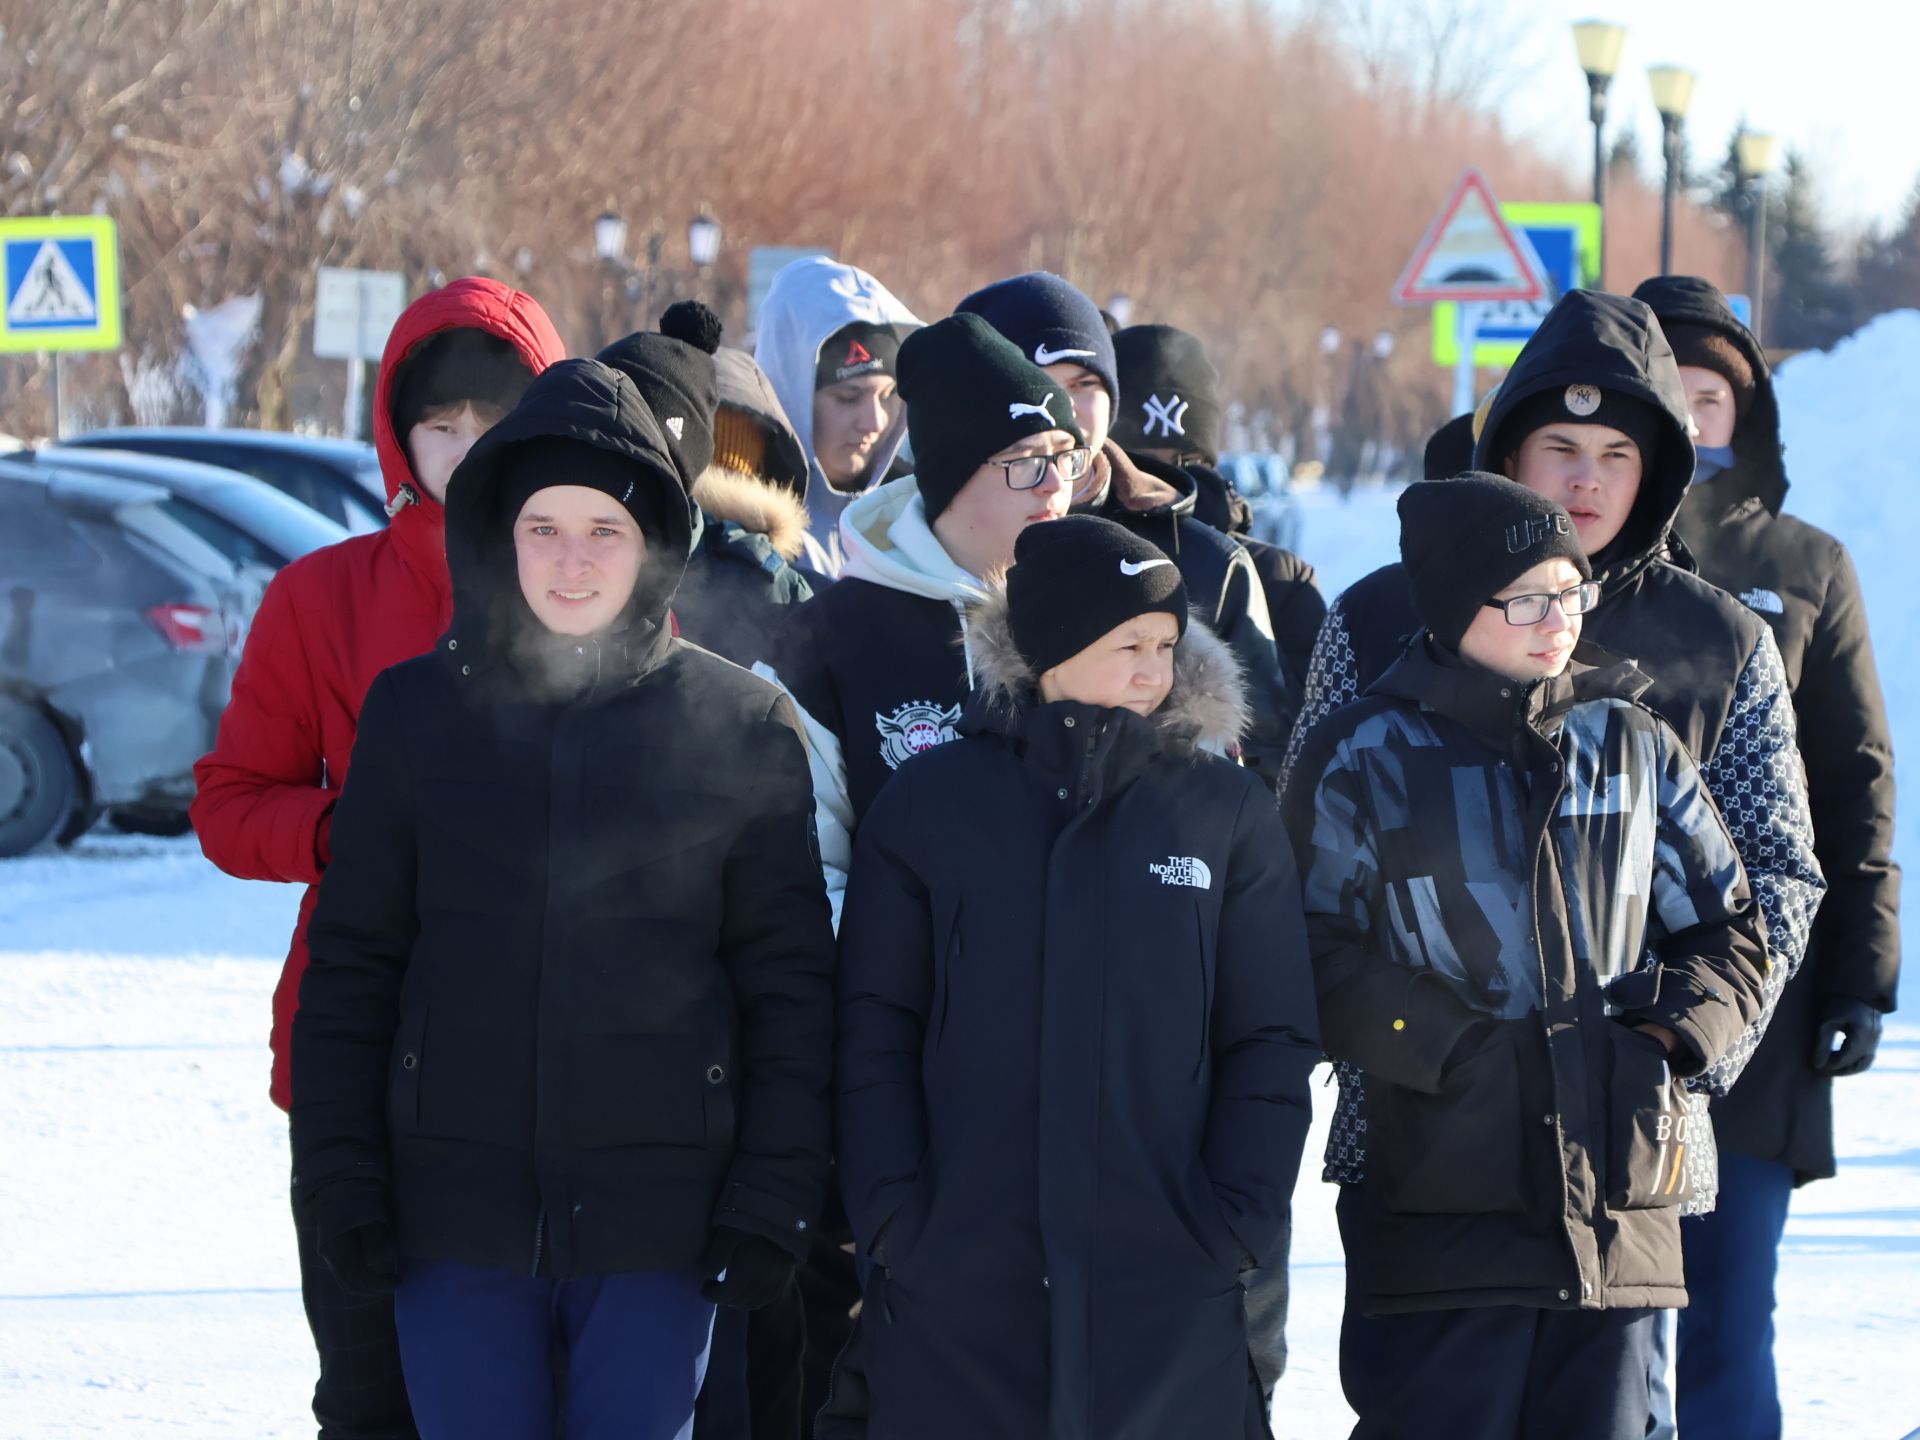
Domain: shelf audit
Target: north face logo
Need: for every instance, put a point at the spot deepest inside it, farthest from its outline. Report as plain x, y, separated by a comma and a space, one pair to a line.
1764, 601
917, 725
1187, 870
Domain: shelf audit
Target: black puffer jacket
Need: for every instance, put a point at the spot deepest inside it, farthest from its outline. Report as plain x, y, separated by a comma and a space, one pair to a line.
1294, 603
1501, 880
1076, 1024
741, 581
1800, 580
570, 997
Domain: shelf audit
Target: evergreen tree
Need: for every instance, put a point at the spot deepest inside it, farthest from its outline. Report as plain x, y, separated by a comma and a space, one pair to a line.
1807, 307
1889, 265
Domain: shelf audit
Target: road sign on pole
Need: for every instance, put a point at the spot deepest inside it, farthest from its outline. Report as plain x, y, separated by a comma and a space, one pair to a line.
61, 284
1565, 238
353, 313
1469, 253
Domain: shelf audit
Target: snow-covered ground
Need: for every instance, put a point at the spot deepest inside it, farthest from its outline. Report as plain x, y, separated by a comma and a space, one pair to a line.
147, 1281
148, 1284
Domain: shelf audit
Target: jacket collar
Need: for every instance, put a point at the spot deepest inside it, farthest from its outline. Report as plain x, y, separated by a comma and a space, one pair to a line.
1495, 709
1206, 710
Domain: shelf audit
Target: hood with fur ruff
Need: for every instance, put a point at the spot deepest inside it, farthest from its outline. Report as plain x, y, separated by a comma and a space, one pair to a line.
1206, 711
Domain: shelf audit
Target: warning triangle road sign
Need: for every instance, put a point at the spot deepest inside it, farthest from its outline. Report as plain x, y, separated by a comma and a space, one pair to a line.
1469, 253
51, 292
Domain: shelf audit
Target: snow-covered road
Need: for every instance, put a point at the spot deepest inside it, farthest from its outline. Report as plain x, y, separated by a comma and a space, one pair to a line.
147, 1278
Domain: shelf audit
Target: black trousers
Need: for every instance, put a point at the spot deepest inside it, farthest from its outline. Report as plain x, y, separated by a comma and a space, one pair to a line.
1498, 1372
753, 1374
362, 1394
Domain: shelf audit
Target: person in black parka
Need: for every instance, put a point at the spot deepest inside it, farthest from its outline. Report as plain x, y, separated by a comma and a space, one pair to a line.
562, 1064
1775, 1131
1076, 1024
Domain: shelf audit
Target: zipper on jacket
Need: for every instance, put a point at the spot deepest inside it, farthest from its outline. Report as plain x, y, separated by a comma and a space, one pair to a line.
539, 1242
966, 640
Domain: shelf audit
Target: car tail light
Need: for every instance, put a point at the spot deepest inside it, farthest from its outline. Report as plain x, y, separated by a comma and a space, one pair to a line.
194, 628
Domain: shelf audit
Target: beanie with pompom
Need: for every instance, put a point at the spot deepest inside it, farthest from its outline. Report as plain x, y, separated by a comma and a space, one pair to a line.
673, 370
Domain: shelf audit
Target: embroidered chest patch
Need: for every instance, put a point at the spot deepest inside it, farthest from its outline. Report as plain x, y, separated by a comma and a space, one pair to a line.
917, 725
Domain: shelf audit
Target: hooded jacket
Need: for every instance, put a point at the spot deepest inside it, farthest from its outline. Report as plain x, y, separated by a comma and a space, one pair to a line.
569, 1002
328, 624
1501, 881
741, 580
1075, 1029
1157, 503
879, 663
1801, 582
808, 301
1715, 672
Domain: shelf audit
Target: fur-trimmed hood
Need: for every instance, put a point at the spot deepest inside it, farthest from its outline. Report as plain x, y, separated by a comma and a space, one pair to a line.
1206, 710
761, 507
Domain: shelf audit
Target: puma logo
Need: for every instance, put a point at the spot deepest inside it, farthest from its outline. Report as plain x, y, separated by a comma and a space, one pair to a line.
1016, 410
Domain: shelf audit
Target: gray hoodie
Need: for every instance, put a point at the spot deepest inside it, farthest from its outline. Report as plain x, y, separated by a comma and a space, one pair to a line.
807, 302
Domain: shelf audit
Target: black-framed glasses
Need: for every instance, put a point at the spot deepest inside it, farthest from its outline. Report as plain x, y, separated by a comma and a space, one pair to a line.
1532, 609
1029, 470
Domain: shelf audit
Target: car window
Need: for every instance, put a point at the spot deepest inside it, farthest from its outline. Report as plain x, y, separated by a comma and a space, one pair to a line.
229, 539
286, 528
314, 486
35, 538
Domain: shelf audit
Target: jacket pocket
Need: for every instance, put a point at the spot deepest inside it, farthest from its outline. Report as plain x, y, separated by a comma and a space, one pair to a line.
1649, 1126
894, 1241
1460, 1152
643, 1090
403, 1074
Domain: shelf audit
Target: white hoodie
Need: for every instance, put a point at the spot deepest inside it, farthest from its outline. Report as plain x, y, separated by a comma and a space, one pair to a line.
888, 541
808, 301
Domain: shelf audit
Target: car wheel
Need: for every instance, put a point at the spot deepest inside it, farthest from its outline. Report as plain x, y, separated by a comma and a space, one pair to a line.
150, 822
38, 785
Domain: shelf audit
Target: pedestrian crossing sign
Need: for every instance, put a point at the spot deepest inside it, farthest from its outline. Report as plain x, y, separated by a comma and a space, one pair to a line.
61, 283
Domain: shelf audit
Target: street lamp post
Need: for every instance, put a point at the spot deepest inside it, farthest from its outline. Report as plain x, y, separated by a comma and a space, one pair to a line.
1598, 44
610, 244
1672, 87
703, 246
1754, 153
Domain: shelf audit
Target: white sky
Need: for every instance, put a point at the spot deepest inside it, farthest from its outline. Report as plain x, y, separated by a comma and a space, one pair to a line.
1833, 78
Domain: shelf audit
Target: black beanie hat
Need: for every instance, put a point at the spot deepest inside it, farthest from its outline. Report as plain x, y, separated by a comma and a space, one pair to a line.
970, 394
1707, 348
861, 348
1463, 541
529, 466
1169, 392
452, 367
1076, 578
1050, 322
1449, 449
673, 371
1583, 405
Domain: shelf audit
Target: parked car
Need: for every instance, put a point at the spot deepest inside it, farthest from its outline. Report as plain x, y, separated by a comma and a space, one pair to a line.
119, 634
338, 478
257, 527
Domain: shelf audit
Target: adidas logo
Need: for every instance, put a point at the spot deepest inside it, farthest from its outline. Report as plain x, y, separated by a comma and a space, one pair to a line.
1186, 870
1764, 601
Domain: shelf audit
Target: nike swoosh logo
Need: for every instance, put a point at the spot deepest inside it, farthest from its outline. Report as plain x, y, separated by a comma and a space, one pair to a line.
1044, 357
1130, 568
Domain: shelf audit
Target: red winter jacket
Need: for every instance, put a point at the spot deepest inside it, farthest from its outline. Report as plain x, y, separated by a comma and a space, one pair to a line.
329, 623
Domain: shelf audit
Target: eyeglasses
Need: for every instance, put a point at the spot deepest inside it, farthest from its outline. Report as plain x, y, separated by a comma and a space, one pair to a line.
1532, 609
1029, 470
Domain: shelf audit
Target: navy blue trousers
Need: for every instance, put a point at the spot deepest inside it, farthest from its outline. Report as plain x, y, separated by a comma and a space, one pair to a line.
1498, 1372
478, 1343
1724, 1378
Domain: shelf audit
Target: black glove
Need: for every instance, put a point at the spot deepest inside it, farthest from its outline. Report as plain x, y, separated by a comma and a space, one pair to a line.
1856, 1025
363, 1259
757, 1270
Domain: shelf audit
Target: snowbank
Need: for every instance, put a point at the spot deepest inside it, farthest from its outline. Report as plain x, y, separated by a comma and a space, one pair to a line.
1847, 416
